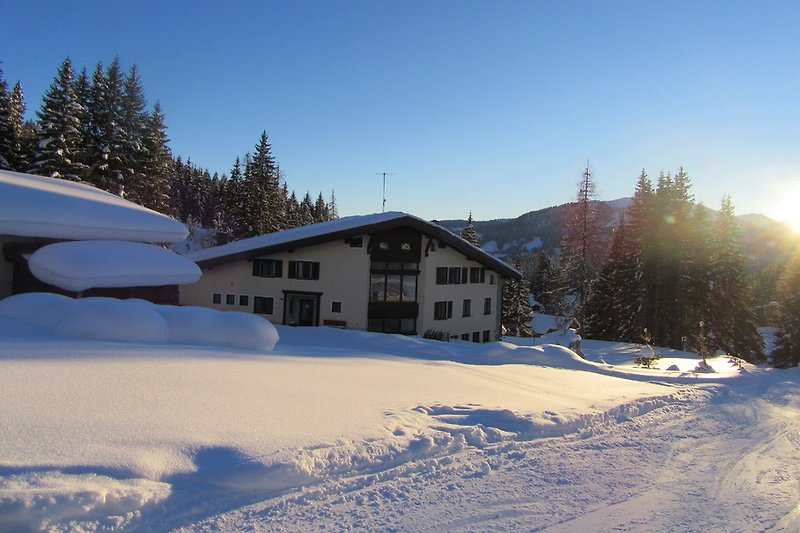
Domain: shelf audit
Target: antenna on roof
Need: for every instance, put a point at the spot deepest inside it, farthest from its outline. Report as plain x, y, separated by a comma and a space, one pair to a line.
384, 174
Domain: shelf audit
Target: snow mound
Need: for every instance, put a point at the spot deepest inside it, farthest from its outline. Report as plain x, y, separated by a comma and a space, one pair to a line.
139, 321
99, 502
109, 319
80, 265
201, 325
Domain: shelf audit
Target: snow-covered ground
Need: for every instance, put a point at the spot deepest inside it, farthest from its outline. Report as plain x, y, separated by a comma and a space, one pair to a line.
347, 430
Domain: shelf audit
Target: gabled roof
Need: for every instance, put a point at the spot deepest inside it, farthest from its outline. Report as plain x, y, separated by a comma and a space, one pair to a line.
38, 206
342, 228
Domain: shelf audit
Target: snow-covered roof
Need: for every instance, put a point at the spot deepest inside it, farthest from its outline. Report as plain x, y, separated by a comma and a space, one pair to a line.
81, 265
38, 206
338, 229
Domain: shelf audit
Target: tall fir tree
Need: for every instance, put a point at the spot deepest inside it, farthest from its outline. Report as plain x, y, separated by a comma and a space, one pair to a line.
132, 152
333, 209
6, 127
59, 138
581, 250
321, 213
106, 134
543, 282
516, 310
731, 317
787, 346
468, 232
23, 133
262, 180
156, 166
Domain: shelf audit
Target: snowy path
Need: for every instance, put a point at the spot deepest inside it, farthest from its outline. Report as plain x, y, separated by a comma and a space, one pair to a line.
720, 458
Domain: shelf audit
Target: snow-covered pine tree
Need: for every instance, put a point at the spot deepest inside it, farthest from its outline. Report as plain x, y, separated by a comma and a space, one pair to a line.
516, 309
106, 135
468, 232
132, 153
293, 217
59, 135
306, 210
787, 347
543, 282
23, 133
321, 209
6, 128
731, 317
263, 183
156, 166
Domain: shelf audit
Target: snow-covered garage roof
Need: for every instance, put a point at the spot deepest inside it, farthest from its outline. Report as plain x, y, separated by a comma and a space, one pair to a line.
37, 206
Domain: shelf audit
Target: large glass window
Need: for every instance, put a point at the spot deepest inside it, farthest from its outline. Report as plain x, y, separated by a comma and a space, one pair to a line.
392, 285
268, 268
263, 305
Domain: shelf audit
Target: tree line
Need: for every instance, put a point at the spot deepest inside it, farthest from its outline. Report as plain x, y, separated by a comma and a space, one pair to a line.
98, 129
672, 275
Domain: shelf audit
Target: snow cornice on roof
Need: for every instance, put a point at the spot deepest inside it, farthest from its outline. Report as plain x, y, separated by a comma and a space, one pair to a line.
342, 228
38, 206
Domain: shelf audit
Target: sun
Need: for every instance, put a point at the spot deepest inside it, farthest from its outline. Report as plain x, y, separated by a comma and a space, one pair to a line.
787, 209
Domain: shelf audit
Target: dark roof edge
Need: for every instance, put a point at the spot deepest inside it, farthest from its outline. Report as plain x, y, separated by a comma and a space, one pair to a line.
428, 228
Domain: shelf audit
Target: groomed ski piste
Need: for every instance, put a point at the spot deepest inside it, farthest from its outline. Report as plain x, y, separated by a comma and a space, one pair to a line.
106, 426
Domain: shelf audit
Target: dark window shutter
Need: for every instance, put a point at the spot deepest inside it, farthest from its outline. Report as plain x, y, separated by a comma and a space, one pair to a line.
292, 270
464, 274
483, 275
315, 270
256, 267
278, 268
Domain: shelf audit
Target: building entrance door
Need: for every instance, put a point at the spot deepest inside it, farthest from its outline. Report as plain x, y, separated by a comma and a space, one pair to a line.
301, 309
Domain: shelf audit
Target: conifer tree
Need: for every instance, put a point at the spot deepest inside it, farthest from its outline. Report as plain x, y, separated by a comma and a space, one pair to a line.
132, 152
333, 210
731, 317
543, 282
468, 233
581, 250
306, 210
321, 209
59, 136
293, 217
516, 310
156, 166
787, 347
263, 185
23, 133
106, 135
6, 128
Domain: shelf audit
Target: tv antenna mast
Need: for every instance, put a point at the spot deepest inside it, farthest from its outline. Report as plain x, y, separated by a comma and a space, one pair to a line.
384, 174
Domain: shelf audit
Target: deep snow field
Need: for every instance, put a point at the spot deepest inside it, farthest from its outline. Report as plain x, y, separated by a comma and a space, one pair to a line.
344, 430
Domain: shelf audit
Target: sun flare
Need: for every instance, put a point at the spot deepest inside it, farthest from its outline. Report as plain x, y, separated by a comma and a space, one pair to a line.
788, 208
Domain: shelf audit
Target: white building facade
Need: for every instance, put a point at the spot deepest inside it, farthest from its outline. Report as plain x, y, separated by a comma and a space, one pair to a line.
389, 272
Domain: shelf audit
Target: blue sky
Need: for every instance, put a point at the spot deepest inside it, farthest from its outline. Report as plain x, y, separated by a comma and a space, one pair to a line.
492, 107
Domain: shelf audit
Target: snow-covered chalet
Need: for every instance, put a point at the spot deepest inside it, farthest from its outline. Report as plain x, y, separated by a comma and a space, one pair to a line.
386, 272
85, 242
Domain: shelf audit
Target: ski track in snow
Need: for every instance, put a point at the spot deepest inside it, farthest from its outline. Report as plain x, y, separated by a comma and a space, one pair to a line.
712, 457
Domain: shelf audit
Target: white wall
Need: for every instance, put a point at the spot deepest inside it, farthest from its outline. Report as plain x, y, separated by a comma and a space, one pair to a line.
476, 292
344, 277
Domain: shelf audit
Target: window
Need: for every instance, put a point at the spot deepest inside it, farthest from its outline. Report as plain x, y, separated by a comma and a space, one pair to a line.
487, 306
244, 300
230, 299
477, 275
303, 270
336, 307
441, 275
216, 298
454, 276
487, 335
393, 282
268, 268
465, 336
263, 305
442, 310
404, 326
355, 242
466, 307
476, 336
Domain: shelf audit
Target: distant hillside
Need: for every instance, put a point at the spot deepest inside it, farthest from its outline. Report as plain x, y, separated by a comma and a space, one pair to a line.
764, 241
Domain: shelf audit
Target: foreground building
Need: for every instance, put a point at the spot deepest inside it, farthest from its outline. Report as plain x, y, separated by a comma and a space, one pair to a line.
387, 272
37, 211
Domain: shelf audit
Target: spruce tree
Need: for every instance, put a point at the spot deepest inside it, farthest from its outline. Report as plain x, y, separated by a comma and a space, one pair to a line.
59, 137
468, 233
581, 250
333, 210
787, 347
24, 134
263, 183
6, 127
156, 166
731, 316
106, 135
132, 152
543, 282
321, 209
306, 210
516, 310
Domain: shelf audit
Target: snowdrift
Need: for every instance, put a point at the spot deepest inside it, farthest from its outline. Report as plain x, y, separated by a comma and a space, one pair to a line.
139, 321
